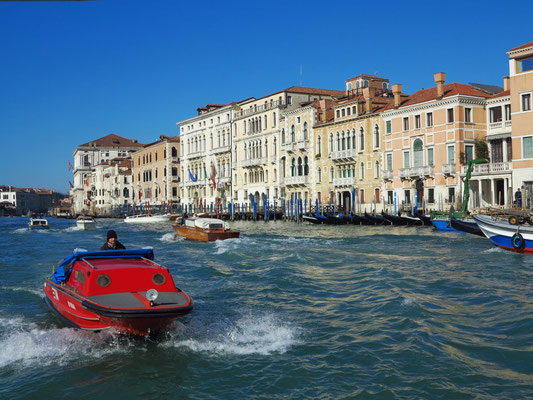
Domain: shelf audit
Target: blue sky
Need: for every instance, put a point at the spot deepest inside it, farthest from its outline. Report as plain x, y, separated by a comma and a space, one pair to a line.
71, 72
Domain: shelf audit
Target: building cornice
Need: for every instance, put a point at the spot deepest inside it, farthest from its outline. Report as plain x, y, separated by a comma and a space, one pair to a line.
497, 100
433, 104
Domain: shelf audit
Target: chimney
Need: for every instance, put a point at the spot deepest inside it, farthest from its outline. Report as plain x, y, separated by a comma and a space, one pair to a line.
506, 85
368, 104
440, 77
397, 91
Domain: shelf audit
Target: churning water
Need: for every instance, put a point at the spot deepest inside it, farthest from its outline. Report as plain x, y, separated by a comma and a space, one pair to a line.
287, 311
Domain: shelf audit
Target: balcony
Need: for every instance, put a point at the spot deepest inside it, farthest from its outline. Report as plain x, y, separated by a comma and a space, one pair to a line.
415, 172
175, 178
448, 169
261, 108
387, 175
296, 180
342, 155
490, 169
175, 159
254, 162
288, 147
348, 181
199, 182
196, 154
499, 127
303, 144
273, 159
222, 149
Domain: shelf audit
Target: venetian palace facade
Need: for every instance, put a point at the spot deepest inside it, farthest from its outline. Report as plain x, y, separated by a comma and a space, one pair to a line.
367, 148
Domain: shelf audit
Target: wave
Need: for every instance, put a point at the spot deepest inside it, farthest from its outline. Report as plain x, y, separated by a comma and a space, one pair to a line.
34, 291
171, 238
264, 335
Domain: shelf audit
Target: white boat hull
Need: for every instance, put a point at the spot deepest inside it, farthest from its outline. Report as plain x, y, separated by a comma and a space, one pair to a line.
510, 237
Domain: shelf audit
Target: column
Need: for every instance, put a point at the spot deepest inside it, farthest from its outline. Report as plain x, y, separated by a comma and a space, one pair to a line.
504, 143
492, 192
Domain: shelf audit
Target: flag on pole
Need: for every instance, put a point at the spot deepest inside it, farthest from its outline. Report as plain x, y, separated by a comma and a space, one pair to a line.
71, 185
205, 173
213, 174
69, 165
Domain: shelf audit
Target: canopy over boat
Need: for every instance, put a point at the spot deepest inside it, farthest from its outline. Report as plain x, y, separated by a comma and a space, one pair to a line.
206, 223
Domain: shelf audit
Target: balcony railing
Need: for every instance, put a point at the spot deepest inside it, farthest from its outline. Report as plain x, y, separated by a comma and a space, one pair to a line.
448, 169
296, 180
273, 159
303, 144
350, 154
175, 178
175, 159
196, 154
288, 146
261, 108
489, 168
222, 149
499, 127
199, 182
348, 181
254, 162
387, 175
415, 172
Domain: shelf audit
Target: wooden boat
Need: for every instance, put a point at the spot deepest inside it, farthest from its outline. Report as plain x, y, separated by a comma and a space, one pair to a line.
503, 234
122, 289
38, 223
315, 219
205, 229
86, 223
394, 219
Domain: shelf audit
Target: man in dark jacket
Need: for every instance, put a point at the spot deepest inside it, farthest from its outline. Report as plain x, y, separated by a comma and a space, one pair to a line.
112, 242
518, 198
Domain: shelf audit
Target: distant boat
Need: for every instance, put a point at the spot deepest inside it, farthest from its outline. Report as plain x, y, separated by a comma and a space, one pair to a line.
205, 229
38, 223
147, 218
86, 223
508, 236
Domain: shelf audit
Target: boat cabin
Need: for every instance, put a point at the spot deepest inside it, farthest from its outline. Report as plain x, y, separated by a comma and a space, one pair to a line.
206, 224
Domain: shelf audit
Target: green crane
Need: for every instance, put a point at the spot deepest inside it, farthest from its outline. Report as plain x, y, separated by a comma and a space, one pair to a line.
466, 192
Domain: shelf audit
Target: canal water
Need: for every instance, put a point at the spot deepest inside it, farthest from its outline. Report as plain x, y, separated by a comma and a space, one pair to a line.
287, 311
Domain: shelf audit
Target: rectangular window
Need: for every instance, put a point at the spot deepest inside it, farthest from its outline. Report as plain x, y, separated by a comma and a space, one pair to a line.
289, 99
417, 122
430, 157
389, 162
390, 197
527, 146
469, 153
449, 115
468, 115
407, 194
451, 195
354, 110
526, 102
507, 112
431, 196
525, 65
406, 124
406, 162
495, 114
343, 112
429, 118
338, 113
451, 154
389, 126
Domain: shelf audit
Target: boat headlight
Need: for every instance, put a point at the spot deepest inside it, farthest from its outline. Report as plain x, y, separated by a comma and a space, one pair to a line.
158, 279
151, 295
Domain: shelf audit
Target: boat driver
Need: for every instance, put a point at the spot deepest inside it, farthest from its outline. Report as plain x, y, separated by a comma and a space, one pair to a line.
112, 242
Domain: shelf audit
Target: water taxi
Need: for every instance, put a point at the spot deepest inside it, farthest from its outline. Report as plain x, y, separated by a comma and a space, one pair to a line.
205, 229
38, 223
86, 223
147, 218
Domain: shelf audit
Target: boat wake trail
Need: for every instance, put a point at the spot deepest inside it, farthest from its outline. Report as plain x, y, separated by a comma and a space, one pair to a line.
249, 335
170, 238
223, 246
72, 229
25, 345
21, 230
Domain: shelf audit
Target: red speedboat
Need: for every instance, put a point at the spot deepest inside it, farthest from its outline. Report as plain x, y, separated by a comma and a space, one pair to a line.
122, 289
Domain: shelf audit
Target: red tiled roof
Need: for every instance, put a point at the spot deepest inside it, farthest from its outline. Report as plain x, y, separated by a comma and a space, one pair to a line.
451, 89
113, 140
530, 44
501, 94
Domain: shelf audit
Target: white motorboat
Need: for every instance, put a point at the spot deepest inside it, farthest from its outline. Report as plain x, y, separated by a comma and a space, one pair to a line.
86, 223
147, 218
38, 223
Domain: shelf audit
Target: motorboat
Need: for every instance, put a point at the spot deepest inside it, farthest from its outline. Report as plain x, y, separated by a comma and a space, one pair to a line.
38, 223
147, 218
442, 224
121, 289
86, 223
205, 229
504, 234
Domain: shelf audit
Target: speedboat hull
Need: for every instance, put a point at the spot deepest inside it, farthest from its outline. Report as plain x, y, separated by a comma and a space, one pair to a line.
500, 232
443, 224
142, 219
86, 225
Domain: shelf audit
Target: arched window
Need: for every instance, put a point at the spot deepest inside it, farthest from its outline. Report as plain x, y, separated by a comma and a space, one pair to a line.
362, 171
349, 86
338, 141
293, 167
306, 166
126, 193
376, 136
384, 86
293, 134
343, 141
319, 174
245, 153
174, 152
365, 83
300, 169
305, 131
330, 142
283, 135
418, 153
357, 85
354, 139
361, 139
274, 147
318, 144
376, 170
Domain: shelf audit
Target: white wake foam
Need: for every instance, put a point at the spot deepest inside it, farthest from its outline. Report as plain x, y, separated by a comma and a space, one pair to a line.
250, 335
170, 238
